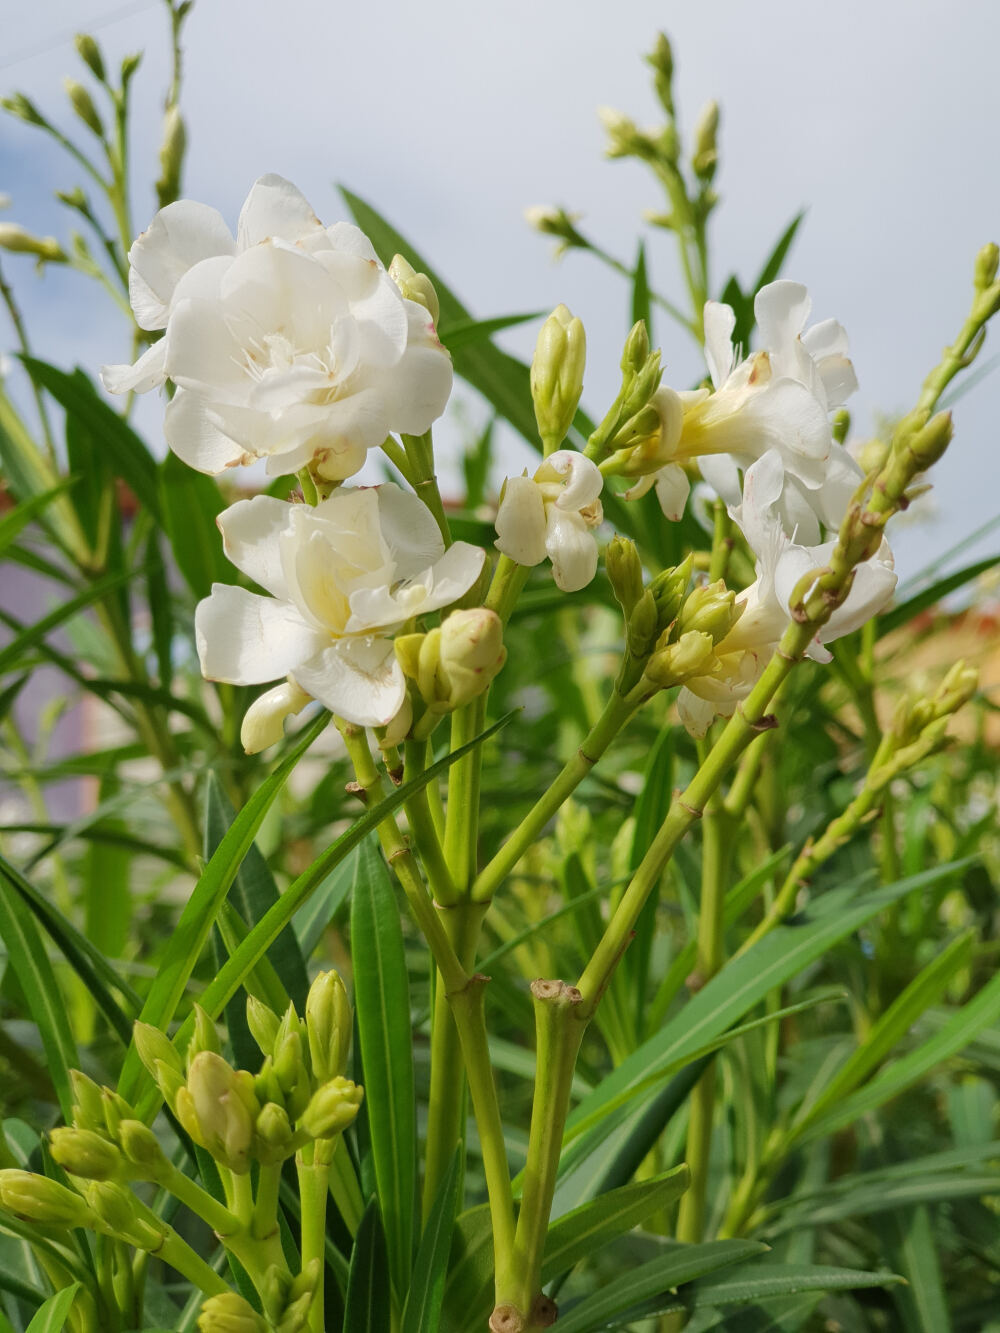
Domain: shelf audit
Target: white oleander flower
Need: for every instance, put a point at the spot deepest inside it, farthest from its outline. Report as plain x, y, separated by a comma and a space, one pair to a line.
779, 398
342, 578
782, 563
291, 343
554, 514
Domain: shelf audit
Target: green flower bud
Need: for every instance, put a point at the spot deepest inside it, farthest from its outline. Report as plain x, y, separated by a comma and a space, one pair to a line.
116, 1109
557, 375
152, 1045
305, 1282
472, 653
90, 53
709, 610
172, 149
929, 444
19, 241
661, 59
987, 262
230, 1313
705, 156
168, 1081
296, 1314
205, 1036
621, 560
415, 286
692, 655
141, 1148
85, 1153
218, 1109
624, 137
266, 1086
557, 222
872, 455
275, 1136
841, 424
83, 104
331, 1109
129, 66
35, 1198
641, 631
289, 1063
328, 1026
669, 589
263, 1024
647, 381
88, 1104
24, 109
117, 1212
635, 353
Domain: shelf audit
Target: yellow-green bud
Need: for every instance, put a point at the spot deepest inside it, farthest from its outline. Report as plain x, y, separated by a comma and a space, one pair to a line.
328, 1026
88, 1104
205, 1036
172, 149
960, 684
83, 104
263, 1024
669, 589
20, 241
929, 444
85, 1153
296, 1314
306, 1281
646, 383
709, 610
117, 1213
668, 143
408, 653
471, 653
90, 53
987, 262
641, 631
661, 59
551, 221
168, 1081
624, 137
288, 1061
129, 66
35, 1198
230, 1313
141, 1147
841, 424
621, 560
872, 455
331, 1109
116, 1109
218, 1109
692, 655
557, 375
152, 1045
415, 286
635, 353
637, 433
24, 109
275, 1137
705, 155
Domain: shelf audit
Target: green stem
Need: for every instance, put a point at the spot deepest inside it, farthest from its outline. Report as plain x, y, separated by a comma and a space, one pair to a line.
461, 827
313, 1183
180, 1256
201, 1203
617, 712
264, 1222
424, 828
559, 1033
345, 1190
420, 456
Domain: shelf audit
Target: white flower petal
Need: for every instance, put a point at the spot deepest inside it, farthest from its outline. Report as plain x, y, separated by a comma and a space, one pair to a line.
179, 237
571, 546
827, 338
723, 475
192, 431
250, 532
581, 477
782, 309
521, 522
245, 639
696, 714
409, 530
359, 680
720, 321
874, 584
147, 373
275, 208
264, 720
838, 379
672, 490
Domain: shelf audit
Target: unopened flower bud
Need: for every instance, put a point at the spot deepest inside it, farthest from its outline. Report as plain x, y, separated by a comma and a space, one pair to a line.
332, 1108
172, 148
328, 1026
116, 1109
635, 353
929, 444
288, 1059
141, 1148
264, 721
692, 655
661, 59
218, 1109
152, 1045
205, 1036
275, 1138
83, 104
90, 53
88, 1105
24, 109
551, 221
19, 241
987, 262
415, 286
169, 1081
398, 727
296, 1314
621, 560
710, 610
871, 455
85, 1153
471, 653
230, 1313
840, 424
35, 1198
557, 375
305, 1282
669, 589
705, 154
642, 627
960, 684
624, 137
263, 1024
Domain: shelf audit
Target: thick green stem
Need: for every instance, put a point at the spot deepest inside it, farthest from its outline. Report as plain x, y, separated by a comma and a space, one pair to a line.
420, 456
616, 713
461, 828
264, 1222
559, 1032
201, 1203
313, 1178
180, 1256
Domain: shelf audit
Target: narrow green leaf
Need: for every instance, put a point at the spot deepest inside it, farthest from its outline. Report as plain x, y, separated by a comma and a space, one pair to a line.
52, 1316
191, 503
192, 930
641, 308
922, 1302
126, 451
775, 261
757, 1281
19, 518
461, 334
908, 610
323, 906
368, 1308
382, 1005
28, 474
422, 1311
28, 638
659, 1276
31, 965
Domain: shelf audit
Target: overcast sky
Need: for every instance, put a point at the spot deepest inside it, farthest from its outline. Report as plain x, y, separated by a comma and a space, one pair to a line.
451, 117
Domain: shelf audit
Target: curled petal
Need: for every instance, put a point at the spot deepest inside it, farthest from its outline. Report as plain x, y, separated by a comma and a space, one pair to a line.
581, 477
246, 639
264, 720
521, 522
409, 529
672, 490
147, 373
571, 546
